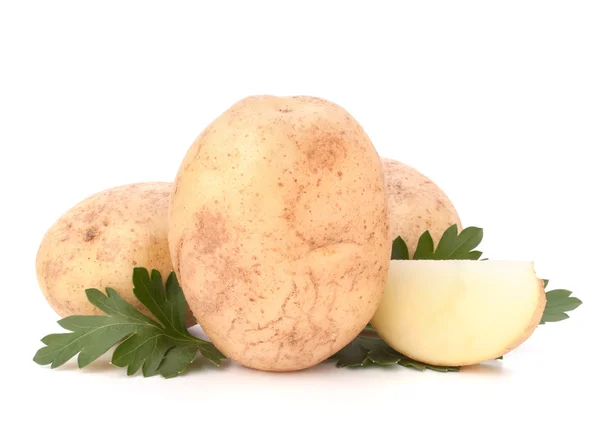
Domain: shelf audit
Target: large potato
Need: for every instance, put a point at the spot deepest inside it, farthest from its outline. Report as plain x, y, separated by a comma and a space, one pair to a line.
99, 241
278, 229
416, 205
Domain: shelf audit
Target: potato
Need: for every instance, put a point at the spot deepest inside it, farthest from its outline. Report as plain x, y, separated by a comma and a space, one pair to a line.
416, 205
99, 241
459, 313
278, 229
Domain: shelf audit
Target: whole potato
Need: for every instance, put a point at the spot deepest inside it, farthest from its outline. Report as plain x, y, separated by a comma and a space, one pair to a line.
99, 241
278, 229
416, 205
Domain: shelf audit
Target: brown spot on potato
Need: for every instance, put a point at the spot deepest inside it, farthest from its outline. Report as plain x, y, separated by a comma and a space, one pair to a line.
52, 270
324, 152
91, 233
210, 230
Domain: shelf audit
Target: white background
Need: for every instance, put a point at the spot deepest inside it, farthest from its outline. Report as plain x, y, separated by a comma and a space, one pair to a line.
498, 102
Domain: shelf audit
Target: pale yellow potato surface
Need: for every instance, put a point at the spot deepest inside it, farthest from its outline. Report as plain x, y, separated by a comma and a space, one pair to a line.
99, 241
416, 205
459, 313
278, 228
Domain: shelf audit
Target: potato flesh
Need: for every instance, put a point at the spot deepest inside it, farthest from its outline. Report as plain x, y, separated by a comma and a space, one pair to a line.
459, 312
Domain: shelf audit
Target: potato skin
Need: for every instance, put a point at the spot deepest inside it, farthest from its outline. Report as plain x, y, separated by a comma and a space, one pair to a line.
278, 229
416, 205
99, 241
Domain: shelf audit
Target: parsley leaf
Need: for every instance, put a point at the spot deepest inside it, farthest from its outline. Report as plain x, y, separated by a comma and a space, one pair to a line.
399, 249
558, 302
369, 349
162, 346
452, 245
425, 247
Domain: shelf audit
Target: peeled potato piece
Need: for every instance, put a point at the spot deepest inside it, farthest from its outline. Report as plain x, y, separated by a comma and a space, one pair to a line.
458, 313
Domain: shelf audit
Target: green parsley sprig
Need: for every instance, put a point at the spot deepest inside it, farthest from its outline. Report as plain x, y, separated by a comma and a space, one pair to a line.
558, 302
162, 346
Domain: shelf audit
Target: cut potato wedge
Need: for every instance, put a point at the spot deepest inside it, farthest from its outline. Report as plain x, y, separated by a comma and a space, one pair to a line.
458, 313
